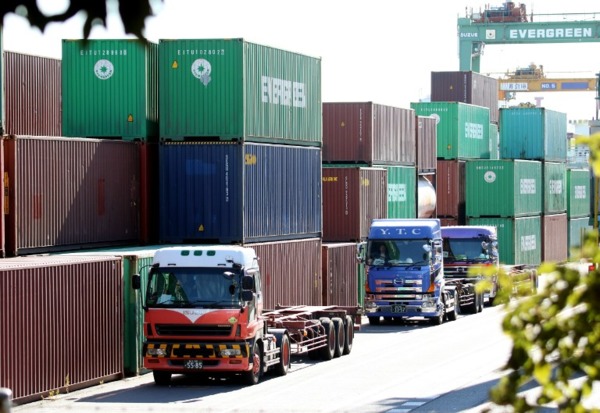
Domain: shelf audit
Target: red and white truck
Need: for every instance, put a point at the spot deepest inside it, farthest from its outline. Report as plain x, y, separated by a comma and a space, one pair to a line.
204, 316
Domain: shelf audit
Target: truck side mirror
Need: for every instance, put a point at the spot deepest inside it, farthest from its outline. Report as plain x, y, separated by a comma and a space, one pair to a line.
136, 281
360, 252
247, 283
247, 295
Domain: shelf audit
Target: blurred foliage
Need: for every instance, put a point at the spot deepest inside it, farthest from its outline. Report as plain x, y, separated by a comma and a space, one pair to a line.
133, 13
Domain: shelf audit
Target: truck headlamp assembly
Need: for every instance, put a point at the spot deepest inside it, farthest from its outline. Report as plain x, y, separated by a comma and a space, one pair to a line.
231, 352
156, 352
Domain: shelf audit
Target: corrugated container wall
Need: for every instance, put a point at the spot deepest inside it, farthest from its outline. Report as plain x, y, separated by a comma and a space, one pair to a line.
533, 133
401, 191
290, 271
578, 227
466, 87
555, 187
110, 89
503, 188
33, 95
578, 192
65, 318
352, 198
554, 243
231, 89
463, 130
238, 192
519, 239
368, 133
86, 194
426, 144
340, 274
450, 190
494, 141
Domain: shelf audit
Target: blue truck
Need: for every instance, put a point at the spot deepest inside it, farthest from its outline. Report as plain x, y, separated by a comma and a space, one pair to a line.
405, 273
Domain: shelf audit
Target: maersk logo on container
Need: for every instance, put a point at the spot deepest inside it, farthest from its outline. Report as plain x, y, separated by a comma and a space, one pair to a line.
528, 243
580, 192
555, 187
397, 193
473, 130
557, 33
527, 186
282, 92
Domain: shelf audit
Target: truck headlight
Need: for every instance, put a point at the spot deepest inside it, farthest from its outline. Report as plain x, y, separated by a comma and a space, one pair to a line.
428, 304
156, 352
231, 352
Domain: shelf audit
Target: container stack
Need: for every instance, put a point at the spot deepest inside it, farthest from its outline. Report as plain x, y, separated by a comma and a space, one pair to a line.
578, 205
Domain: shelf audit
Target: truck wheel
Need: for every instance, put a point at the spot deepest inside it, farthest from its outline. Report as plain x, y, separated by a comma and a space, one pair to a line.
253, 376
328, 351
283, 342
374, 321
452, 315
162, 378
349, 336
437, 320
479, 302
340, 336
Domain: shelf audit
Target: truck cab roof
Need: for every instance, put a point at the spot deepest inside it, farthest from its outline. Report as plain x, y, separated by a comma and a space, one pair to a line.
407, 228
206, 256
469, 231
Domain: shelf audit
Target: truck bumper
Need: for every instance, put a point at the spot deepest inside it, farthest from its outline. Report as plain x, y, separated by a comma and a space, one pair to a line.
414, 309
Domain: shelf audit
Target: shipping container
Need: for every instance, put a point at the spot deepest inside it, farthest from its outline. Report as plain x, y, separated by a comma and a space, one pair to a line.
450, 222
87, 193
340, 274
290, 272
401, 191
368, 133
462, 130
519, 239
426, 197
426, 144
352, 198
578, 227
494, 141
503, 188
578, 192
110, 89
228, 192
466, 87
555, 187
231, 89
554, 243
533, 133
65, 318
450, 189
33, 95
149, 178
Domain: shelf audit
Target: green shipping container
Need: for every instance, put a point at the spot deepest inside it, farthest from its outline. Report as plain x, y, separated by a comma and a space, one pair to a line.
578, 192
555, 187
577, 228
401, 191
503, 188
494, 141
230, 89
110, 89
463, 130
519, 239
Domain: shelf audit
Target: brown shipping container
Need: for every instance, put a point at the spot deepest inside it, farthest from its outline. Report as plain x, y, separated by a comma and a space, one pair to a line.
466, 87
149, 200
449, 222
426, 144
450, 189
368, 133
33, 95
291, 272
352, 198
62, 324
554, 240
67, 193
340, 274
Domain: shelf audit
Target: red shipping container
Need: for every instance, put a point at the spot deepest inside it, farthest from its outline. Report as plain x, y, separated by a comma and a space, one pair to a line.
555, 245
450, 189
352, 198
426, 144
448, 222
62, 324
368, 133
340, 274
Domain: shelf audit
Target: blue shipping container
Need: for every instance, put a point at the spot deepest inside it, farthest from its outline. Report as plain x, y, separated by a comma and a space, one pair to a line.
238, 192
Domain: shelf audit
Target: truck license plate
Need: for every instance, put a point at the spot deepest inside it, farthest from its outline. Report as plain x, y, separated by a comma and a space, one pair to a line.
398, 308
193, 364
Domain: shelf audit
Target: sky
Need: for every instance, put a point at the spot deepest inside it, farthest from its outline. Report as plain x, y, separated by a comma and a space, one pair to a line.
380, 51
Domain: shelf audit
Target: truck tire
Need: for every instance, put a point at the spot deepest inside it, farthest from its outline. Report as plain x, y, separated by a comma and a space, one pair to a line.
453, 315
374, 321
161, 378
479, 302
340, 336
437, 320
283, 342
252, 377
349, 336
328, 351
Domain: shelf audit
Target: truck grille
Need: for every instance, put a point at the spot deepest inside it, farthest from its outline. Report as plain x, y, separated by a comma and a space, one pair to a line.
195, 330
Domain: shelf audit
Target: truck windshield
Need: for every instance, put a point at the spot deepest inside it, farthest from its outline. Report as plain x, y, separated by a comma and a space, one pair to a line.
395, 252
194, 287
465, 250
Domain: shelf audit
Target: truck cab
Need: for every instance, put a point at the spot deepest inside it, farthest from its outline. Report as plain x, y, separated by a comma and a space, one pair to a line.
404, 271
